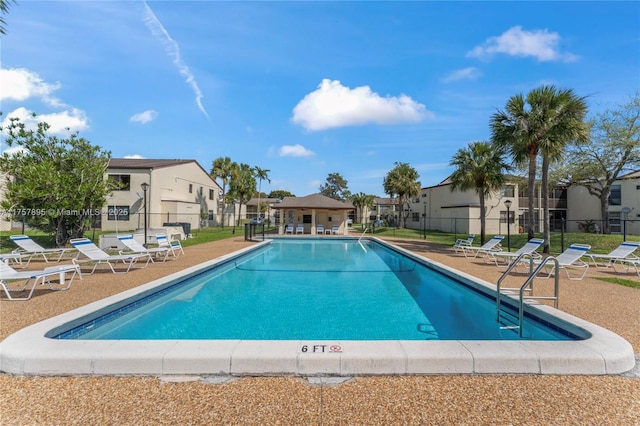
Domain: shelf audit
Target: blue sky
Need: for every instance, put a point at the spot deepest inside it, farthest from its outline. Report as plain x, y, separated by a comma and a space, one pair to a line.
305, 89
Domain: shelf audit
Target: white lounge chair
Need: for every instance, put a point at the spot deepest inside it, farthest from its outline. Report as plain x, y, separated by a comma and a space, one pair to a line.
464, 242
623, 252
320, 229
335, 229
300, 229
289, 229
568, 259
628, 264
492, 245
506, 257
133, 246
7, 273
30, 248
174, 246
94, 254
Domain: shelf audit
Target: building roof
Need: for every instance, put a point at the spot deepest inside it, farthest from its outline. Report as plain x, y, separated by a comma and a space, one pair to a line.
145, 163
313, 201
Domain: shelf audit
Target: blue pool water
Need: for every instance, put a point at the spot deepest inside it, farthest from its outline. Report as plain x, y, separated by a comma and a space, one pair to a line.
324, 289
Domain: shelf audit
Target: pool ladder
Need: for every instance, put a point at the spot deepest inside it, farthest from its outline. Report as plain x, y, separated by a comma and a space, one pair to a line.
506, 318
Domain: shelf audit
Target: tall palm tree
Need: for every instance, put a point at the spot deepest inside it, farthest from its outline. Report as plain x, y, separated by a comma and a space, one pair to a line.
222, 169
242, 185
360, 201
566, 119
403, 182
542, 123
261, 174
479, 167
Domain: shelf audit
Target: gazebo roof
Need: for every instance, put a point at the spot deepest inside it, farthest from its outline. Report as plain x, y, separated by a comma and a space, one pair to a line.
313, 201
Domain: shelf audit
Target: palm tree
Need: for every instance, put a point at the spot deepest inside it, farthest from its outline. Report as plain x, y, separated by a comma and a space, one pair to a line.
543, 123
222, 168
360, 201
4, 9
479, 167
242, 185
403, 182
261, 174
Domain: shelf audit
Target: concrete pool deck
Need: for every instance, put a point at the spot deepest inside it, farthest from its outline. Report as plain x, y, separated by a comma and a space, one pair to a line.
611, 306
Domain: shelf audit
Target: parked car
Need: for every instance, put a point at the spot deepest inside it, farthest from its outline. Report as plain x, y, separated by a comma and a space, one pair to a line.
256, 221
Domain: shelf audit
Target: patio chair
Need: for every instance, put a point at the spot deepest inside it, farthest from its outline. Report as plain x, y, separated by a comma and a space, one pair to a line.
94, 254
320, 229
133, 246
335, 229
492, 245
7, 273
506, 257
174, 246
289, 229
628, 264
568, 259
30, 248
464, 242
623, 252
300, 229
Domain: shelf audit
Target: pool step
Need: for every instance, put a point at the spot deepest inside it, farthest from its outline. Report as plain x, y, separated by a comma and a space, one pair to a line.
508, 321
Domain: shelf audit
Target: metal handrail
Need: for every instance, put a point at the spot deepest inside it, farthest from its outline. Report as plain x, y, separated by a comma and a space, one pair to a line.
528, 283
360, 242
530, 279
504, 275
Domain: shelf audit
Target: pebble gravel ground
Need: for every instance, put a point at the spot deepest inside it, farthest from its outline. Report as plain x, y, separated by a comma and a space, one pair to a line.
388, 400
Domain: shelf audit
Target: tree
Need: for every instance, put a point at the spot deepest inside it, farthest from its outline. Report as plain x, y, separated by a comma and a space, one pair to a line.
543, 122
242, 185
335, 187
222, 168
479, 167
280, 193
4, 9
58, 184
402, 181
564, 114
261, 174
362, 200
613, 149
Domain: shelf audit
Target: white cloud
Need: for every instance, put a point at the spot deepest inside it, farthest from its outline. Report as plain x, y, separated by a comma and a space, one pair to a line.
471, 73
60, 122
134, 156
144, 117
541, 44
173, 49
334, 105
295, 151
20, 84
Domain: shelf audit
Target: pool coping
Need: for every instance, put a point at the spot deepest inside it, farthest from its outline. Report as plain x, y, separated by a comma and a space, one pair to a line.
29, 352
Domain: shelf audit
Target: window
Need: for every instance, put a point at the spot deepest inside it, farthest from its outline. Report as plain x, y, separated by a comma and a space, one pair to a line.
306, 218
415, 217
508, 191
190, 188
211, 194
424, 195
121, 182
118, 213
615, 224
210, 214
503, 216
615, 197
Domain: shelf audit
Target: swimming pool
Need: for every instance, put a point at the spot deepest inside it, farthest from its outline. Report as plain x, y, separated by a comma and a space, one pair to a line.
315, 289
37, 350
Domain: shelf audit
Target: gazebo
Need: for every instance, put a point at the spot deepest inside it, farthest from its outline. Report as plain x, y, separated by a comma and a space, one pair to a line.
313, 210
